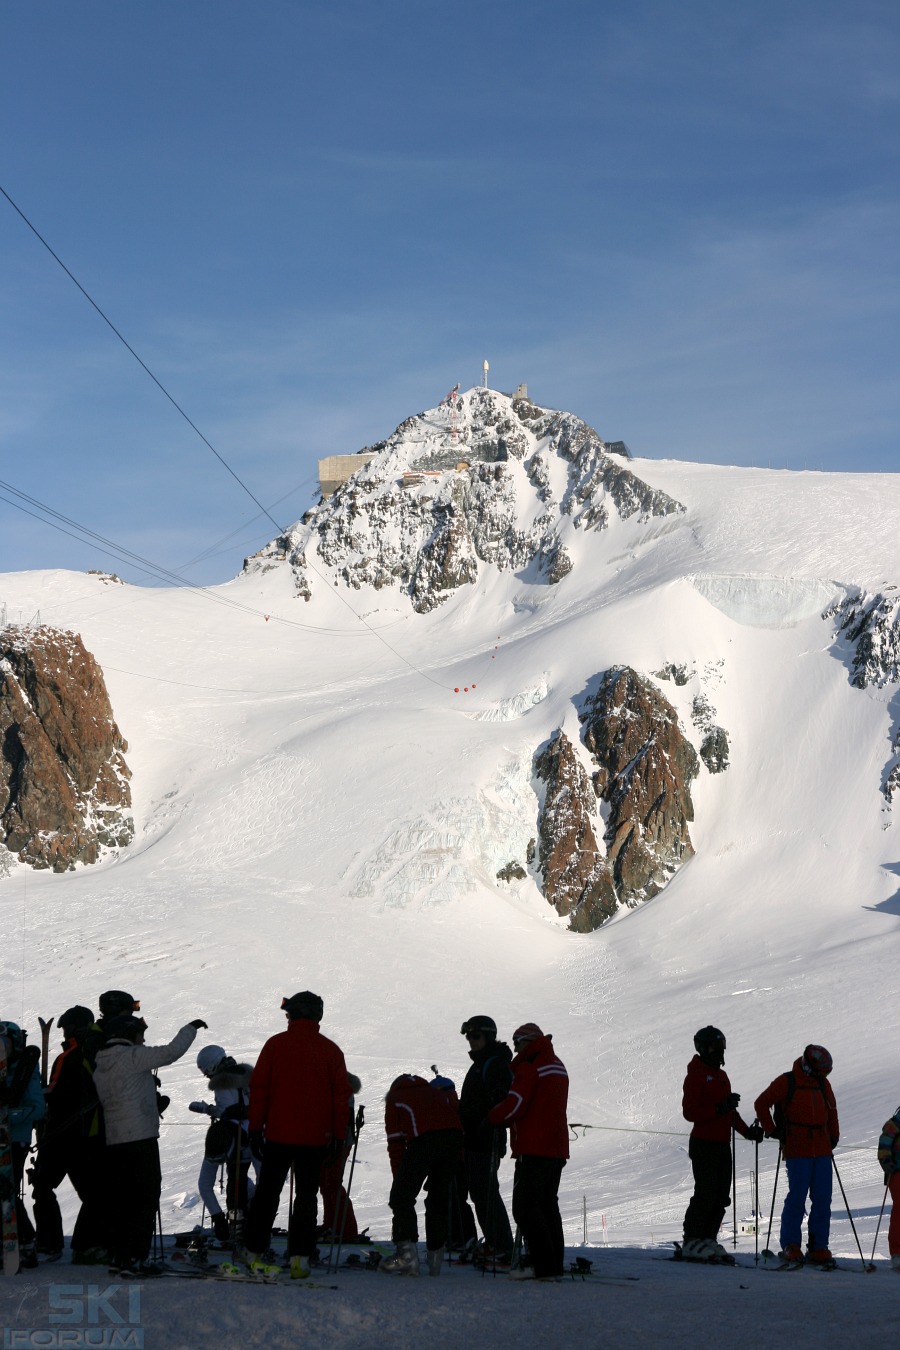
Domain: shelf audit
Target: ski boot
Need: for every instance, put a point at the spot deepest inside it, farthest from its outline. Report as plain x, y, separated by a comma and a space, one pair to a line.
404, 1261
435, 1260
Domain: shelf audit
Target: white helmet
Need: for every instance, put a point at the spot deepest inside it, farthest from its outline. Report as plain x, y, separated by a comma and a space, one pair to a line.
209, 1059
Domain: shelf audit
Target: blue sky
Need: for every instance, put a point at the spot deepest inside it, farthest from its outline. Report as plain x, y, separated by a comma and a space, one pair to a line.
312, 217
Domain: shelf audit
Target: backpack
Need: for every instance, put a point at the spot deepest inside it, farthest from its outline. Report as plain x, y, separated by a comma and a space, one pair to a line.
780, 1109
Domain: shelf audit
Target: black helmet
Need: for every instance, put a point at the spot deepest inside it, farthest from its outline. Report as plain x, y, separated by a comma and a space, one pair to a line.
115, 1001
479, 1025
709, 1043
75, 1018
305, 1005
125, 1028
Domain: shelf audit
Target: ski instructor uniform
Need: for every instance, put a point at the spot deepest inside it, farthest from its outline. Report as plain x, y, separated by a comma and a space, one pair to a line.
535, 1111
711, 1107
299, 1106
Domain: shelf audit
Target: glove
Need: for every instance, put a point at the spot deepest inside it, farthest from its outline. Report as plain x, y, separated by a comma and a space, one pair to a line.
756, 1134
333, 1152
777, 1135
728, 1104
162, 1101
257, 1142
202, 1107
199, 1024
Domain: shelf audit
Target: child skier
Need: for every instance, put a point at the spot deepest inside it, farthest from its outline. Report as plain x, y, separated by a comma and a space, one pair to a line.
230, 1084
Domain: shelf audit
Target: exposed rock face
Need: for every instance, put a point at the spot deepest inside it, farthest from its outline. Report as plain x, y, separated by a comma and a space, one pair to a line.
64, 793
576, 879
714, 748
645, 767
434, 530
871, 624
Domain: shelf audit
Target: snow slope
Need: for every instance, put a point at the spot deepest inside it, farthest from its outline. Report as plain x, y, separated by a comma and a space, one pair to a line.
314, 808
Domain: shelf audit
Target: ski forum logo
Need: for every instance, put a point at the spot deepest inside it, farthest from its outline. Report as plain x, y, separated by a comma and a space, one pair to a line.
82, 1315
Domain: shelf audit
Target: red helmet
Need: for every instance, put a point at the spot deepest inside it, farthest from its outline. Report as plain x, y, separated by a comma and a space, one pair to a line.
817, 1061
529, 1031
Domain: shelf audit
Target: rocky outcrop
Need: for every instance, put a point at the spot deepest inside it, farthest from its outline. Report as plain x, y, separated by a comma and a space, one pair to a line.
645, 768
871, 625
481, 480
64, 792
575, 877
714, 748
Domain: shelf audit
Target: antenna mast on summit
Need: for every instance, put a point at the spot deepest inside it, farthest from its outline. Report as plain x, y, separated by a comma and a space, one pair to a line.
486, 368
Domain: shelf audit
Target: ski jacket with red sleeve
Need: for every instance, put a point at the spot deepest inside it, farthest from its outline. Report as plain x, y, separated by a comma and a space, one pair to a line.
809, 1128
299, 1091
413, 1108
535, 1108
705, 1089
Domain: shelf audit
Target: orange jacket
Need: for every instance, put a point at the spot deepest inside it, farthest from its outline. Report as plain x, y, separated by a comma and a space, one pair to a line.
299, 1091
811, 1127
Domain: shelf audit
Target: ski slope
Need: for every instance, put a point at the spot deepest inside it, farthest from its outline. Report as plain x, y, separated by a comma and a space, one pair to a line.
314, 808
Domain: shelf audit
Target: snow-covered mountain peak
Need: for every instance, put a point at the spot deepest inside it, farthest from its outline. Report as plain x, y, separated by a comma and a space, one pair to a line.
484, 479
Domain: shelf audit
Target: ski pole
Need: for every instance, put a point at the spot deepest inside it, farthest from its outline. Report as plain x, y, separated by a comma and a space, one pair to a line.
880, 1217
756, 1198
867, 1268
238, 1164
733, 1188
767, 1251
360, 1122
290, 1210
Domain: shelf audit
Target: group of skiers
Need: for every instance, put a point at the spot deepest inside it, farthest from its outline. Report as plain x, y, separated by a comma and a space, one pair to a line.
293, 1114
799, 1111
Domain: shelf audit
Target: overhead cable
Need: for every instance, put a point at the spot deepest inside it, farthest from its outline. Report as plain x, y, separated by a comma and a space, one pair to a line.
159, 384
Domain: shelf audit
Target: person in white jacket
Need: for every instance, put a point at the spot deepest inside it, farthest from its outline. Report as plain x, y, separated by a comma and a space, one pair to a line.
126, 1085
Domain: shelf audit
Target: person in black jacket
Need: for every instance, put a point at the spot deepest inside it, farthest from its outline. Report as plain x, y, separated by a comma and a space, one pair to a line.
72, 1147
486, 1084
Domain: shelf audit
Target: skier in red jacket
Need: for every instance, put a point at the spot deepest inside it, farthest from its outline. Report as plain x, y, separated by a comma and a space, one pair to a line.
299, 1107
711, 1106
535, 1111
806, 1126
424, 1139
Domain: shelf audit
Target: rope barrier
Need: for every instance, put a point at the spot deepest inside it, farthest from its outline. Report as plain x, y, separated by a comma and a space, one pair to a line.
574, 1126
